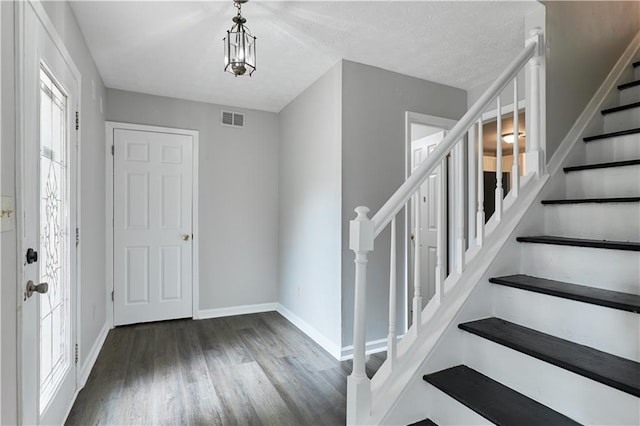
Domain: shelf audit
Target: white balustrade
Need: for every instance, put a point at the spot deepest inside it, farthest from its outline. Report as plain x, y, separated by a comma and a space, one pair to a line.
465, 191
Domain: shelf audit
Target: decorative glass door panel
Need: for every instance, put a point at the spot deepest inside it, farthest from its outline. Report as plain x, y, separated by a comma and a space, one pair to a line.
54, 269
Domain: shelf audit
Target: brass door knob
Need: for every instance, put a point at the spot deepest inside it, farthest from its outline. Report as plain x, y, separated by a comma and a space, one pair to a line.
185, 237
41, 288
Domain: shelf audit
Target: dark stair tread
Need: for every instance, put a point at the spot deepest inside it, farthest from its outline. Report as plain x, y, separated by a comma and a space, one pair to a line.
492, 400
636, 64
629, 85
617, 372
612, 134
602, 165
620, 108
581, 242
425, 422
595, 296
593, 200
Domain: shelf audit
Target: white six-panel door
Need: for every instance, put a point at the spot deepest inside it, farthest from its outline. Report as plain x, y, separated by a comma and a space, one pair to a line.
421, 149
152, 247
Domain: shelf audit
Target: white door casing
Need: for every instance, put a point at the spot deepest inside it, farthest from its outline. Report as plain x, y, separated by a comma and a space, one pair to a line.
47, 102
152, 226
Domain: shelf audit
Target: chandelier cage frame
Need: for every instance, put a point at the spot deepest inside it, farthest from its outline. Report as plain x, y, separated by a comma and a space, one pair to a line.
239, 46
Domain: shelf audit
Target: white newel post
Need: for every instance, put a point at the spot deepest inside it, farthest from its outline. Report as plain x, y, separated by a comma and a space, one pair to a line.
361, 236
515, 169
535, 153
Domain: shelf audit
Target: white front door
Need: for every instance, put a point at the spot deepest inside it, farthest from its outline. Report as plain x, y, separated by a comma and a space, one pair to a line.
428, 200
152, 247
49, 84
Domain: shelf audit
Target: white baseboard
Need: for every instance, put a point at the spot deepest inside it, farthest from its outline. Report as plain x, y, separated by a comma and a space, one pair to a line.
372, 347
92, 356
311, 331
236, 310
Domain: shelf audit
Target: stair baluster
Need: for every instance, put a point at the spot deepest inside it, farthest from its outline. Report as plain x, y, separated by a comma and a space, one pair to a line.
417, 278
515, 169
499, 190
480, 215
392, 337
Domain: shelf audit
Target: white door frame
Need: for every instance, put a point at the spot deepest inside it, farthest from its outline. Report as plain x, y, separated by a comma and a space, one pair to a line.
20, 104
111, 126
429, 120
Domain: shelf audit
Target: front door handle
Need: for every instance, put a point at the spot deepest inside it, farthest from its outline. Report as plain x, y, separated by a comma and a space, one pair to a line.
185, 237
41, 288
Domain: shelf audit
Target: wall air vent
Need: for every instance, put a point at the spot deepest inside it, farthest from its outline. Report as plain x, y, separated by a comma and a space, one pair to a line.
232, 119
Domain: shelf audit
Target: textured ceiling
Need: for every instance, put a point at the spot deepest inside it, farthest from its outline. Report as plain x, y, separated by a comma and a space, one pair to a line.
174, 48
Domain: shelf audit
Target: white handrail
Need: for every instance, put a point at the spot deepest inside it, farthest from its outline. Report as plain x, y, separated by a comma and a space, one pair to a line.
400, 197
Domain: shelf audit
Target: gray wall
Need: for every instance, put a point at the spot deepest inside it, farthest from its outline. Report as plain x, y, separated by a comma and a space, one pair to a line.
309, 205
374, 102
92, 185
238, 194
584, 40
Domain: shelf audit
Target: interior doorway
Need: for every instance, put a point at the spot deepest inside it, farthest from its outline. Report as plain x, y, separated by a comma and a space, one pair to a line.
152, 198
423, 134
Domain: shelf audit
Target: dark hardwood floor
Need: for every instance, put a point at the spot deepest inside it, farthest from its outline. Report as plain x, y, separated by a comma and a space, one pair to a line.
244, 370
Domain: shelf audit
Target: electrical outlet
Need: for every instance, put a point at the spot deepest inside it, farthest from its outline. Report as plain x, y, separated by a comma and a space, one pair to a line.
7, 214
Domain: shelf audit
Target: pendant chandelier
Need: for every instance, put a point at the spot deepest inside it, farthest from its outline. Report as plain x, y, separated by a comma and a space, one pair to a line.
239, 46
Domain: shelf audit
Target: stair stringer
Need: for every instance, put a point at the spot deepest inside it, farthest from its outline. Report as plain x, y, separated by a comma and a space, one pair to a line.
399, 398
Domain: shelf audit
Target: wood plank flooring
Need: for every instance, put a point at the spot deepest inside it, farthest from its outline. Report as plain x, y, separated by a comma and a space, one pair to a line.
245, 370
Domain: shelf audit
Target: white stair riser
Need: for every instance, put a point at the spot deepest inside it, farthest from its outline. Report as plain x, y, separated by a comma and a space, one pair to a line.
637, 72
622, 120
603, 221
608, 182
613, 149
579, 322
630, 95
582, 399
616, 270
444, 410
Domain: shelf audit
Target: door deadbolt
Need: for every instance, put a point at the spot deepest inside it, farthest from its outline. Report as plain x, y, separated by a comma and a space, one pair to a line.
41, 288
32, 256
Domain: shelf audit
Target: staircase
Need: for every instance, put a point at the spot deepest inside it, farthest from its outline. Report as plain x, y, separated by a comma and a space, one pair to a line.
563, 344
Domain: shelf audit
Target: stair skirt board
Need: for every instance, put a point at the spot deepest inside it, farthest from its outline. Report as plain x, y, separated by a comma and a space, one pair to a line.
492, 400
